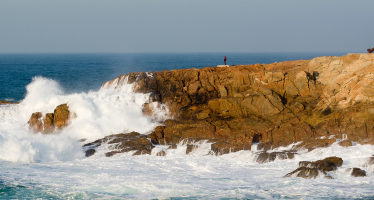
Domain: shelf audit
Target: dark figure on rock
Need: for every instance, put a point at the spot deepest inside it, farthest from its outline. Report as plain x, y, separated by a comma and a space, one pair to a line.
224, 59
370, 50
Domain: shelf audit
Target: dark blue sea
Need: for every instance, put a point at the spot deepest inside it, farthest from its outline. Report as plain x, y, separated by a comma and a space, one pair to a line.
84, 72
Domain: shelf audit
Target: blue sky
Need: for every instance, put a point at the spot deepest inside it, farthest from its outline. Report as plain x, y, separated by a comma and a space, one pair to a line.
84, 26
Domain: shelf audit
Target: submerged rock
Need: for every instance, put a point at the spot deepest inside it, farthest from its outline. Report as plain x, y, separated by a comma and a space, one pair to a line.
308, 169
265, 157
121, 143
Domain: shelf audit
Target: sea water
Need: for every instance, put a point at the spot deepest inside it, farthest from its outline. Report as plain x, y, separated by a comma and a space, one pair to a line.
54, 166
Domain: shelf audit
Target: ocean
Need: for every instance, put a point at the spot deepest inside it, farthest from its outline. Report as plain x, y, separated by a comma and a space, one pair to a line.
55, 167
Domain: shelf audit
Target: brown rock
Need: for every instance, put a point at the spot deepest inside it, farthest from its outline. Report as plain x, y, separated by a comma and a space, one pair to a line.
161, 153
357, 172
61, 116
35, 122
220, 148
48, 123
265, 157
345, 143
309, 169
190, 148
123, 143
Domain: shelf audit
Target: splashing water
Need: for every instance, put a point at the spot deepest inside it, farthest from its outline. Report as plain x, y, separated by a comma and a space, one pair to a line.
54, 166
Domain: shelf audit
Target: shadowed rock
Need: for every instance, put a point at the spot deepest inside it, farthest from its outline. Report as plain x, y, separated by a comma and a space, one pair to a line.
265, 157
308, 169
121, 143
357, 172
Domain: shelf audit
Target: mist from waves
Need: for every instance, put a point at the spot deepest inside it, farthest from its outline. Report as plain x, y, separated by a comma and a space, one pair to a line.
99, 113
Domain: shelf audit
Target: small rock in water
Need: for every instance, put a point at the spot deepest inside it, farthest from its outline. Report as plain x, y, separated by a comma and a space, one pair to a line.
161, 153
357, 172
190, 148
90, 152
309, 169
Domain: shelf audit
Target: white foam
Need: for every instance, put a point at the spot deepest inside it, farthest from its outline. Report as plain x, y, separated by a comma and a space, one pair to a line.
101, 113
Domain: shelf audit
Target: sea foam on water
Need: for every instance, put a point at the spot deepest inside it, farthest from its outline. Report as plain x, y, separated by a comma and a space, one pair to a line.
56, 164
98, 114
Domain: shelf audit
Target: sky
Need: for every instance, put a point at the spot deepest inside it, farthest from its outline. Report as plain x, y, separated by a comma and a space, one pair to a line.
178, 26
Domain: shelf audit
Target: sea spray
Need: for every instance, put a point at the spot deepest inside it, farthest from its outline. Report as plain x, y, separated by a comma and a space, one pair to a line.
98, 114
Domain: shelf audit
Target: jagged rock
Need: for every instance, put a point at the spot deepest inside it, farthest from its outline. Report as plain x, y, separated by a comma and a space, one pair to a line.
157, 136
265, 157
48, 123
60, 119
190, 148
309, 169
278, 104
35, 124
220, 148
121, 143
357, 172
61, 116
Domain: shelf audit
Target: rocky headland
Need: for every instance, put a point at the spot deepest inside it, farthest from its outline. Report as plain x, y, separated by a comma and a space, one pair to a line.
309, 103
313, 101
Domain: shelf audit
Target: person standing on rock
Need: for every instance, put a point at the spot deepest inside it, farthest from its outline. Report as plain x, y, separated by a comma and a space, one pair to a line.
224, 59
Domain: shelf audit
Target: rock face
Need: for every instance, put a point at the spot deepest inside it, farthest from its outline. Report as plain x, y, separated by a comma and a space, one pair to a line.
60, 119
61, 116
309, 169
315, 101
121, 143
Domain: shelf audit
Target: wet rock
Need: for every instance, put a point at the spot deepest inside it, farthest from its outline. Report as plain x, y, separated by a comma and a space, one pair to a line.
345, 143
190, 148
35, 122
157, 137
357, 172
308, 169
90, 152
220, 148
315, 143
123, 142
173, 146
49, 126
61, 116
265, 157
161, 153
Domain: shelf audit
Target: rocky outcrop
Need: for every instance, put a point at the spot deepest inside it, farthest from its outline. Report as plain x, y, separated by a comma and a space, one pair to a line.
121, 143
317, 168
314, 101
59, 119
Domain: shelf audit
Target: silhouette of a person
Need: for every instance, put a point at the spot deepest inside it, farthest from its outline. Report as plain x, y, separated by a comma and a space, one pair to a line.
224, 59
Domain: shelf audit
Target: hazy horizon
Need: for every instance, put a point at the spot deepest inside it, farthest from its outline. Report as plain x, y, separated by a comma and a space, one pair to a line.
166, 26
